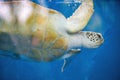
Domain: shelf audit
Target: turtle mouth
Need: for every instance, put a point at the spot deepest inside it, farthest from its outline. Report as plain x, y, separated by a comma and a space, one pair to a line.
97, 44
100, 42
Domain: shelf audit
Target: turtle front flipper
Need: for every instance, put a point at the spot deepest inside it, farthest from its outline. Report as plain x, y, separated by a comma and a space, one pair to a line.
80, 17
70, 53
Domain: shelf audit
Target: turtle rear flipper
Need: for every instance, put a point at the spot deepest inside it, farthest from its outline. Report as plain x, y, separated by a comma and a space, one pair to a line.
67, 56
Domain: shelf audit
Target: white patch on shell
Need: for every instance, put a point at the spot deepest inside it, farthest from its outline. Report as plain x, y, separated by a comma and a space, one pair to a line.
5, 12
23, 11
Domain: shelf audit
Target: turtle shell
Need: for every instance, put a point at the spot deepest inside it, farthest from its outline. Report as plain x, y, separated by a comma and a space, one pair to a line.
35, 36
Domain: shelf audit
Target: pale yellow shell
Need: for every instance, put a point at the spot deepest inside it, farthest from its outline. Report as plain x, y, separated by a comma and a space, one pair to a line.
36, 38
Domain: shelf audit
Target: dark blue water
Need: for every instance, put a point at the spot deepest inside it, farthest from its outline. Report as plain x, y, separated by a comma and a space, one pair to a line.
102, 63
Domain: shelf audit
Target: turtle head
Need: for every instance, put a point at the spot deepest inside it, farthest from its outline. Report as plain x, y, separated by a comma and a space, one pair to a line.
91, 39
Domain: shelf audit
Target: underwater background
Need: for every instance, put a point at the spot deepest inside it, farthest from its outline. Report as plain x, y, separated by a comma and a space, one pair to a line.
102, 63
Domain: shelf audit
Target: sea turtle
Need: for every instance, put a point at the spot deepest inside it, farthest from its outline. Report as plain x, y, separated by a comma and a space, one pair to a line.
35, 33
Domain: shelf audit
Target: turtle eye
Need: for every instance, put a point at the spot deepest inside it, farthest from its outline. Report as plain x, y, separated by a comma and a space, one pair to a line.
99, 36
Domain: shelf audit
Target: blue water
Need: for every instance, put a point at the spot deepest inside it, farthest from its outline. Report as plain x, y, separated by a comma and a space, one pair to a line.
102, 63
